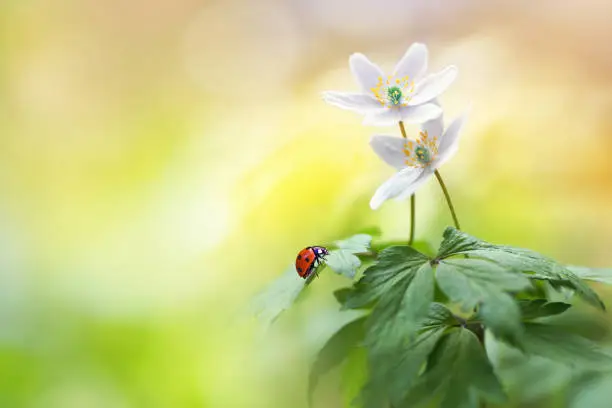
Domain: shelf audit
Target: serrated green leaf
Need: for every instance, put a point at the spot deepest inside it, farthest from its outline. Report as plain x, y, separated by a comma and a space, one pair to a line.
456, 242
335, 350
536, 308
393, 267
474, 277
438, 316
393, 371
532, 264
559, 345
398, 314
602, 275
458, 373
526, 377
401, 286
479, 283
502, 316
410, 363
343, 260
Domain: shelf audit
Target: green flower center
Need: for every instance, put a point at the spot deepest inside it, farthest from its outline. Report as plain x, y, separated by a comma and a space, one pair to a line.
423, 155
421, 152
394, 94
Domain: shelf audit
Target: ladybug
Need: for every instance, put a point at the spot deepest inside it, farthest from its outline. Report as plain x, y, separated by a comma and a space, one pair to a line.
309, 259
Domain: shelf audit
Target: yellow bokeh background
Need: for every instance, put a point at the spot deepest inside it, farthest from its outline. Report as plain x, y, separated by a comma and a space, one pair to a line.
162, 161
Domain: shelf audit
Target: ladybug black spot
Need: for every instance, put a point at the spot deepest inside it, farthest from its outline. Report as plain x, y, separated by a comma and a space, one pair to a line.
299, 269
307, 260
299, 257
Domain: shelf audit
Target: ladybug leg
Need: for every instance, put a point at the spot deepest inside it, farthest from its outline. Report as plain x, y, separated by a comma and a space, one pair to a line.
318, 261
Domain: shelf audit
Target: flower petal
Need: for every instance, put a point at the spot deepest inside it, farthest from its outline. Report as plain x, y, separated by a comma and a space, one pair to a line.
382, 117
413, 64
390, 149
366, 73
420, 113
352, 101
395, 186
434, 127
450, 140
414, 186
433, 85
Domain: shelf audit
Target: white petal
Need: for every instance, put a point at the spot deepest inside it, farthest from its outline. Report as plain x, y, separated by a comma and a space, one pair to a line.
434, 127
420, 113
414, 186
433, 85
382, 117
366, 73
395, 186
390, 149
352, 101
414, 62
450, 140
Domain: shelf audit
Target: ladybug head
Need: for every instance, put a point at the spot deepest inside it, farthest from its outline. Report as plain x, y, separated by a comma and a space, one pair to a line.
321, 251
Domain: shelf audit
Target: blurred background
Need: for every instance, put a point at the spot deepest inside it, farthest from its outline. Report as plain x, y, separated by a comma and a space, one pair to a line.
162, 161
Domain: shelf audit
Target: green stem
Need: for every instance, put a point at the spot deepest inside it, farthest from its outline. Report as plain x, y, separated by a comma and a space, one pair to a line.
412, 197
448, 199
412, 218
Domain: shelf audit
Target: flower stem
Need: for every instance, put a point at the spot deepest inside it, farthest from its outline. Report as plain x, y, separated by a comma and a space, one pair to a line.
412, 218
448, 199
412, 197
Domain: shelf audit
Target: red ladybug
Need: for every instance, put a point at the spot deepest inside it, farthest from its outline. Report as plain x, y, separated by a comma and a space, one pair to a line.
309, 259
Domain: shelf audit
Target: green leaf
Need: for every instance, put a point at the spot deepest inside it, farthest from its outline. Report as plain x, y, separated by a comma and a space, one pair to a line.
557, 344
458, 373
438, 317
393, 371
474, 278
532, 264
596, 393
602, 275
335, 350
342, 295
278, 296
479, 283
536, 308
357, 243
502, 316
401, 286
343, 260
354, 374
526, 378
583, 323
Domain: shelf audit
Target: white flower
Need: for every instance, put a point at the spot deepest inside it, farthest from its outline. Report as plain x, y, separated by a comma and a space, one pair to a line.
415, 160
405, 95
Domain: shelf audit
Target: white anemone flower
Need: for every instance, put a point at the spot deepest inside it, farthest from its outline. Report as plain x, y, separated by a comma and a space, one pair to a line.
415, 160
406, 95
